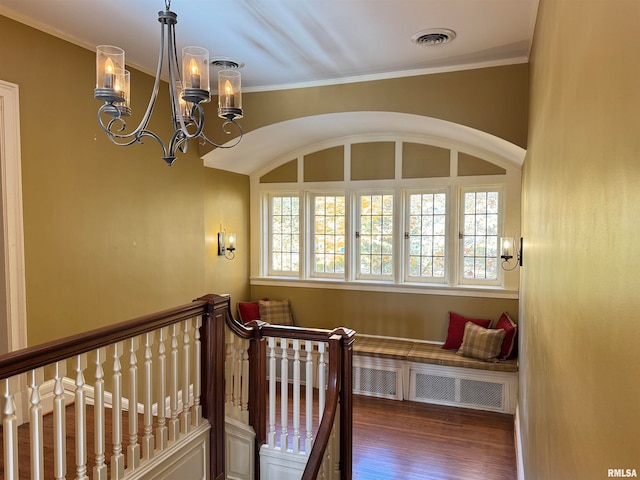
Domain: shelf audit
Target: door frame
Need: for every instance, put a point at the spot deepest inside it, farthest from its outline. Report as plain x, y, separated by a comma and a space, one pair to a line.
12, 216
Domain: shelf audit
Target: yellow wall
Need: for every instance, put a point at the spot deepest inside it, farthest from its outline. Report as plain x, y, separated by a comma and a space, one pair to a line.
493, 100
405, 315
110, 232
581, 191
227, 204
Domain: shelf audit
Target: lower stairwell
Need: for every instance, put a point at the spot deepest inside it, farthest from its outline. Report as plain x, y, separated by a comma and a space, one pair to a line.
187, 393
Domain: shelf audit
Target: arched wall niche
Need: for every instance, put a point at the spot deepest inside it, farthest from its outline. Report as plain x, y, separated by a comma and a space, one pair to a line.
267, 148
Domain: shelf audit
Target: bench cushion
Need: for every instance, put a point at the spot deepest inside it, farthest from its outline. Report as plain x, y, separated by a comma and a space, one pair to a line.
421, 352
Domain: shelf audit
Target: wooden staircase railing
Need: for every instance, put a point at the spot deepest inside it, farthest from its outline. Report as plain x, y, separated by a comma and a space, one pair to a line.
183, 369
338, 387
181, 334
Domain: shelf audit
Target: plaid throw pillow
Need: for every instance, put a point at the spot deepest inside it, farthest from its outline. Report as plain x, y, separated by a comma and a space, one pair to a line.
276, 312
481, 343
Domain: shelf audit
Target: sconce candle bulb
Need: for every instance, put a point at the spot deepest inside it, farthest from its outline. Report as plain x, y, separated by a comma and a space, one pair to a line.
226, 244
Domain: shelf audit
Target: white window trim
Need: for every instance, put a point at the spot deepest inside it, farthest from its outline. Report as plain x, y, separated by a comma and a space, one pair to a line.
310, 234
358, 276
446, 280
462, 190
510, 219
269, 239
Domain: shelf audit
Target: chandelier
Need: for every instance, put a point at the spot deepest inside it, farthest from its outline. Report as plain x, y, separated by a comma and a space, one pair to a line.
188, 90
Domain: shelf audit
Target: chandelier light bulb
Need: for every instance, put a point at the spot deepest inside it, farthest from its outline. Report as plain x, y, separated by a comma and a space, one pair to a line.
195, 74
109, 74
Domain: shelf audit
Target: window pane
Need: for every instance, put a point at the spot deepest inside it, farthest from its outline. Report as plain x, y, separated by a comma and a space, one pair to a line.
427, 235
480, 246
285, 233
376, 234
330, 226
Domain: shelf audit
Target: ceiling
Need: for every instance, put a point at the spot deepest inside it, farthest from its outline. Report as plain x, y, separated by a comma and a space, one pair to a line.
293, 43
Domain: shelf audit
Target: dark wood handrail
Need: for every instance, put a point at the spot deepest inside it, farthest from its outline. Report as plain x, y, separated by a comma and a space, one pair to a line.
21, 361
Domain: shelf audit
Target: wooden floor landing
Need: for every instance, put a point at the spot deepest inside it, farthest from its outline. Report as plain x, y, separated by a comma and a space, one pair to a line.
392, 440
401, 440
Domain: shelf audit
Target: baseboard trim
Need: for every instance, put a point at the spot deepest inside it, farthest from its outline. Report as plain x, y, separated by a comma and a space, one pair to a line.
518, 438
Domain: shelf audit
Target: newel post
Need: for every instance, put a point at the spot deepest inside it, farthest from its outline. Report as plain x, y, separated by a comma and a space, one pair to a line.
346, 402
258, 389
212, 335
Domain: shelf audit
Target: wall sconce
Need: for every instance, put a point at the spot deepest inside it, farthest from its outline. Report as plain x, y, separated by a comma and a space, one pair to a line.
226, 244
508, 251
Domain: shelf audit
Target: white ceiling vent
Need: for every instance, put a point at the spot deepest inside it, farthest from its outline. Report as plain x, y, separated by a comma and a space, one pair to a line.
433, 36
226, 63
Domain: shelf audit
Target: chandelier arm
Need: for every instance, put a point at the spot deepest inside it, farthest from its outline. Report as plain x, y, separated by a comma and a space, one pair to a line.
149, 133
177, 140
142, 126
174, 77
114, 137
224, 129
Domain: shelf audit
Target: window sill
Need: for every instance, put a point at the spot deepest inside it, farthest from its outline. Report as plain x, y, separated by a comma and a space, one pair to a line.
369, 286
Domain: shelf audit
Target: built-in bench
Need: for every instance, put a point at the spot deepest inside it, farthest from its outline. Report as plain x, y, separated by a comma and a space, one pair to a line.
406, 369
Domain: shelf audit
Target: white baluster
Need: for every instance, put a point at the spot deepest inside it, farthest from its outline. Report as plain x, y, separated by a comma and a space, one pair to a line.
284, 396
59, 424
80, 365
228, 373
133, 449
296, 396
334, 448
237, 377
10, 434
35, 425
100, 468
197, 373
117, 458
174, 422
162, 435
186, 377
321, 380
308, 443
244, 408
272, 392
147, 438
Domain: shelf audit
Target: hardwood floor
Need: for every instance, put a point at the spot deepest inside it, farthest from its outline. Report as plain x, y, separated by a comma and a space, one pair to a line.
400, 440
392, 440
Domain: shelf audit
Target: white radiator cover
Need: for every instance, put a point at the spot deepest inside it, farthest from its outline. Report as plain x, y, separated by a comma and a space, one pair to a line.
422, 382
463, 387
377, 377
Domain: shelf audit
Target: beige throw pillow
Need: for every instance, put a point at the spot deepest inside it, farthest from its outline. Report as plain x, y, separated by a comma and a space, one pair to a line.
481, 343
276, 312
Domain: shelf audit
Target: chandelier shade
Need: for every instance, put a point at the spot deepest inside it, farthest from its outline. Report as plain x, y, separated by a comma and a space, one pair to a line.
189, 87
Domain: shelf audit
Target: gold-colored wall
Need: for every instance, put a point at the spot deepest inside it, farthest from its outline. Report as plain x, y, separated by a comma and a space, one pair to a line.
493, 100
110, 232
405, 315
227, 204
579, 356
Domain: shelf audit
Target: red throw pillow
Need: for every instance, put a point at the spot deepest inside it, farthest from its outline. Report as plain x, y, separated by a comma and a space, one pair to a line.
456, 329
248, 311
510, 328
